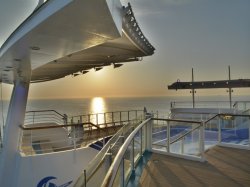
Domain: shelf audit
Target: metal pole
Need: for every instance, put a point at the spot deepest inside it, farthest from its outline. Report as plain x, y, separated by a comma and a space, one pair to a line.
202, 140
85, 179
230, 89
219, 132
193, 88
122, 177
168, 136
132, 156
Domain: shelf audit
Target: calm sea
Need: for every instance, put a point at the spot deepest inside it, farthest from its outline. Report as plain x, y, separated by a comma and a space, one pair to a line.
73, 107
99, 104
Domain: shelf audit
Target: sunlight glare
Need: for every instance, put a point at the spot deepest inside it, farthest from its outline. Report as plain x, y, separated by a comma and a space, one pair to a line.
98, 106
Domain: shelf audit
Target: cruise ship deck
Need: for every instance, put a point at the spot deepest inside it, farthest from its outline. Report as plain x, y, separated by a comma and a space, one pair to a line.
223, 167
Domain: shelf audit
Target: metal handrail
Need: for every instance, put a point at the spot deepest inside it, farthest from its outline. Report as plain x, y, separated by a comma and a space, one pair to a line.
40, 111
173, 103
176, 120
109, 179
226, 114
58, 126
100, 157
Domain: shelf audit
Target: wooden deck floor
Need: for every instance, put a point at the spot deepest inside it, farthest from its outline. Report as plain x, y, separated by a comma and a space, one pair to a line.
225, 167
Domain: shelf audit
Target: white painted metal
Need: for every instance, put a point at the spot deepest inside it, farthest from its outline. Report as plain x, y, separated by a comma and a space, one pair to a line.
65, 166
59, 28
10, 159
63, 37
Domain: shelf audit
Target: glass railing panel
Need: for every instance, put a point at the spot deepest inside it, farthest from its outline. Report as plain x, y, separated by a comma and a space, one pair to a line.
242, 105
190, 144
143, 139
201, 104
184, 138
137, 146
235, 130
211, 134
99, 174
128, 161
159, 134
118, 181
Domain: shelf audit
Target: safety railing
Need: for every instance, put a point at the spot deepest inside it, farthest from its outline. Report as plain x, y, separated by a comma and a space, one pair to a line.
106, 119
125, 161
54, 138
44, 117
200, 104
180, 138
233, 130
242, 106
49, 131
95, 172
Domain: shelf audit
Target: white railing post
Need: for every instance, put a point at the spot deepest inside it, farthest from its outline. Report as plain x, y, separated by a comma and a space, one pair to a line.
168, 137
132, 160
149, 135
31, 143
182, 146
249, 134
96, 119
202, 144
141, 141
122, 177
74, 137
219, 131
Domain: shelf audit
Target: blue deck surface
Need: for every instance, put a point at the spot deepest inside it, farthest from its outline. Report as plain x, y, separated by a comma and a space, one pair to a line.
136, 175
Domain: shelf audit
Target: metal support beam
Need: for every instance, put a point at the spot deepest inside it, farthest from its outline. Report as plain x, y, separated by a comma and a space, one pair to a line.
15, 118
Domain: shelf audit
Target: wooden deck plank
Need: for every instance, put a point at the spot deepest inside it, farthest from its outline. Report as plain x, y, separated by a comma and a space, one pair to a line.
224, 167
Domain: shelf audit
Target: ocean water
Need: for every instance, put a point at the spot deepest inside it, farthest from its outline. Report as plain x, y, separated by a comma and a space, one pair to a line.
73, 107
161, 105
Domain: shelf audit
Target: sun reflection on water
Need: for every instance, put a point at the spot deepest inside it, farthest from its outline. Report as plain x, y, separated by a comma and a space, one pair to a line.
98, 105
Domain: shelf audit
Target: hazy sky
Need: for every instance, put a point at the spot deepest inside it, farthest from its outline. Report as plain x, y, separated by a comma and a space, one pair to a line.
207, 35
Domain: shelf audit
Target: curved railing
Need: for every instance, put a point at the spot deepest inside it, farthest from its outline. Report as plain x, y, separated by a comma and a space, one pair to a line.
132, 29
95, 172
117, 174
119, 158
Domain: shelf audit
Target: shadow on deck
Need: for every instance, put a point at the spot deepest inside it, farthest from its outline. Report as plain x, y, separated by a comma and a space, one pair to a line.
224, 167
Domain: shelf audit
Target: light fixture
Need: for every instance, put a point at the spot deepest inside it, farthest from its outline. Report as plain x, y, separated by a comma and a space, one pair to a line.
117, 65
83, 72
35, 48
75, 74
17, 60
227, 117
98, 68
